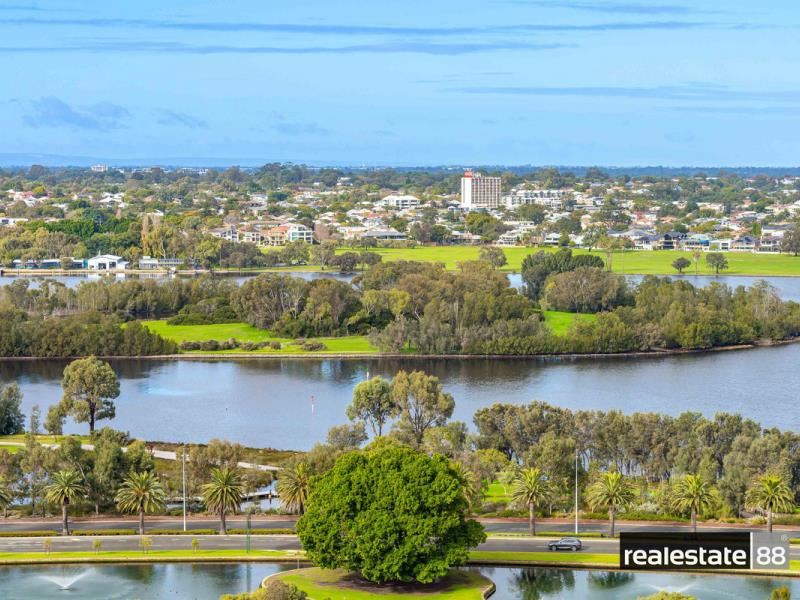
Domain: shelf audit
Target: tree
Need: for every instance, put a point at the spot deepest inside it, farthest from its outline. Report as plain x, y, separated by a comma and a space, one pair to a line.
89, 386
347, 437
529, 489
223, 494
612, 492
54, 421
390, 513
681, 263
141, 493
493, 255
324, 253
692, 493
696, 259
421, 402
65, 488
11, 418
293, 487
770, 493
717, 261
6, 497
791, 241
373, 404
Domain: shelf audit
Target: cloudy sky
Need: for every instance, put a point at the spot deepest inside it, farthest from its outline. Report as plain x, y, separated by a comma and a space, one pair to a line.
578, 82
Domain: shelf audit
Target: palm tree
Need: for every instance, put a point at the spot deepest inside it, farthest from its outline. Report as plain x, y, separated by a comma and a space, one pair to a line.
64, 489
141, 493
770, 493
293, 487
469, 482
612, 492
5, 497
530, 488
223, 493
692, 493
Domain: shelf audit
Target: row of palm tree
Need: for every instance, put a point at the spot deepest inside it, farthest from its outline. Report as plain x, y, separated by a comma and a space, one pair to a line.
614, 492
141, 493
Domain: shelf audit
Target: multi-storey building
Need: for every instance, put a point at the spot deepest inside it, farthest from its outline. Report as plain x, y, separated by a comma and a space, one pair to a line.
479, 192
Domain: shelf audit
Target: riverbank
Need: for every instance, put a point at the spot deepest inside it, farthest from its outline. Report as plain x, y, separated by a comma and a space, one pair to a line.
376, 355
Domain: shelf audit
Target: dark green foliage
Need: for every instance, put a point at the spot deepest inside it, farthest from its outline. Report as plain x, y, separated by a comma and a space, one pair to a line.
536, 268
23, 335
11, 418
390, 513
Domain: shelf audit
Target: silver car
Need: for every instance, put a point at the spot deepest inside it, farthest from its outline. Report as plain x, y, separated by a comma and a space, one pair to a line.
567, 543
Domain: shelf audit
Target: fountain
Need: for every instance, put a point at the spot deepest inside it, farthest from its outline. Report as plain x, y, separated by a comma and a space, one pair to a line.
65, 582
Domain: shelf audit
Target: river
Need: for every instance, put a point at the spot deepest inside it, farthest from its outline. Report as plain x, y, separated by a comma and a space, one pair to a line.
788, 287
291, 403
209, 581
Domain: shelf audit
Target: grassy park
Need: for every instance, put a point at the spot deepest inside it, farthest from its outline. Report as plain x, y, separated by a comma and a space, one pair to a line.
559, 322
354, 344
631, 262
341, 585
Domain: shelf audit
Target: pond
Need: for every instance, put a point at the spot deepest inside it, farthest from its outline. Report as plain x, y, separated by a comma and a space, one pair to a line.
291, 403
209, 581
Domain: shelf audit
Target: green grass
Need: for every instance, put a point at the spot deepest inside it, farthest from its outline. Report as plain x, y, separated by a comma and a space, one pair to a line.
332, 584
354, 344
632, 262
541, 558
151, 556
560, 322
497, 492
19, 438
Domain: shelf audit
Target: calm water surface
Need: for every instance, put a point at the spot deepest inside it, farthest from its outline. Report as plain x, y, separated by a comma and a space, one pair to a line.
209, 581
290, 404
788, 287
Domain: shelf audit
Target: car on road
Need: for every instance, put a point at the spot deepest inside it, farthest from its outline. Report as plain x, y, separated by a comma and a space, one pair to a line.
566, 543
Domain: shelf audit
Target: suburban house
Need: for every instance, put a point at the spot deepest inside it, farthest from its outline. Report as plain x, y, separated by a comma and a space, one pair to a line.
107, 262
286, 234
148, 263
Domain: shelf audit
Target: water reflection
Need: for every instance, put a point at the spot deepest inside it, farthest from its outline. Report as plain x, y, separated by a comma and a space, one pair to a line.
534, 584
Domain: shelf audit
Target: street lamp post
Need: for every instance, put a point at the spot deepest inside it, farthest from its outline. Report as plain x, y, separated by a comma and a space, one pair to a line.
576, 492
183, 477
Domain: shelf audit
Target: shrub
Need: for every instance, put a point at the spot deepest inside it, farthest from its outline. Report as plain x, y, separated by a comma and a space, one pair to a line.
277, 531
9, 534
313, 346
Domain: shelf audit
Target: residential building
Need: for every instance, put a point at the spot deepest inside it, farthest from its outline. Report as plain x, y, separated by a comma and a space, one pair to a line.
107, 262
400, 201
553, 199
229, 234
479, 192
147, 263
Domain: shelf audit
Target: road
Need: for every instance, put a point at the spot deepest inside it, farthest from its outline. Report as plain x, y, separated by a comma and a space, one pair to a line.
269, 542
287, 522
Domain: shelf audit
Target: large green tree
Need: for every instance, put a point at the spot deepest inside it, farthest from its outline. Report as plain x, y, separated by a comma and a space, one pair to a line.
89, 386
391, 514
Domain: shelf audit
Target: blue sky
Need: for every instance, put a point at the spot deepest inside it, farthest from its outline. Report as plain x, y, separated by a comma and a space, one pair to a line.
618, 82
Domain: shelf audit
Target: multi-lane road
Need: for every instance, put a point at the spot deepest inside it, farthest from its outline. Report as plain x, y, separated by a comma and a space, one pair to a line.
260, 522
290, 542
270, 542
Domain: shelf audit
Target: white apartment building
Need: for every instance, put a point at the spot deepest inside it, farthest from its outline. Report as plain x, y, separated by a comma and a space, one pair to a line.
479, 192
400, 201
553, 199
